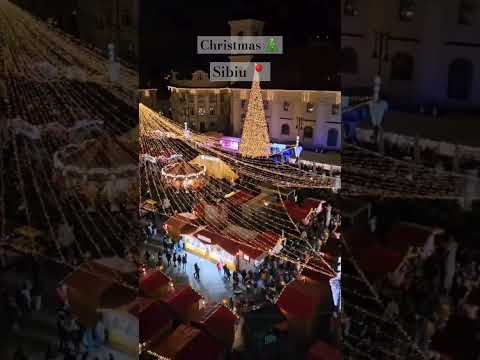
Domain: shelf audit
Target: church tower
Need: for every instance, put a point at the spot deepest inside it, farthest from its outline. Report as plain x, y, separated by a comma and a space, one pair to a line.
245, 27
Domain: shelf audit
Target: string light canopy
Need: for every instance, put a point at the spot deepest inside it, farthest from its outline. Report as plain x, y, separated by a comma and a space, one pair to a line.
157, 127
255, 142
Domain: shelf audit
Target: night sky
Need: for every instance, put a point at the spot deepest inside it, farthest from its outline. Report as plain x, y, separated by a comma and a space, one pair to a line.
168, 29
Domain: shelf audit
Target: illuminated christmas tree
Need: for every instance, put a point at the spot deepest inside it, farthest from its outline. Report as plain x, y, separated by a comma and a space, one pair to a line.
255, 140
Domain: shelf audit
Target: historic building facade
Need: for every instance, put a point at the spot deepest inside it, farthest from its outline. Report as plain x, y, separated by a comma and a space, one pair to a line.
312, 115
426, 51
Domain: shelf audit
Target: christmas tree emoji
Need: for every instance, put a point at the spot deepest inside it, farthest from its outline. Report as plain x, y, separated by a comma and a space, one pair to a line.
271, 46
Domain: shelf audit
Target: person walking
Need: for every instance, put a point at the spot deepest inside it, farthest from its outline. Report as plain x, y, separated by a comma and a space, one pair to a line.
169, 257
219, 267
174, 259
184, 261
197, 271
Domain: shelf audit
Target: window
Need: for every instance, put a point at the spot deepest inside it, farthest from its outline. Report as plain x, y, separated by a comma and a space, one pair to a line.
99, 23
335, 109
126, 20
348, 61
332, 137
460, 75
212, 126
308, 132
406, 11
192, 110
265, 104
201, 110
286, 106
212, 110
350, 8
108, 17
310, 107
466, 12
285, 129
243, 103
402, 67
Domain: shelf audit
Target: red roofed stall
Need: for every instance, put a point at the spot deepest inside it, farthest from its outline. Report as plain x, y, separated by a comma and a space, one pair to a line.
184, 302
187, 343
323, 351
302, 302
219, 322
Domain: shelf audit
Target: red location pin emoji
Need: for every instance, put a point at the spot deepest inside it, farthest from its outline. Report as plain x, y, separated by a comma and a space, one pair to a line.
258, 67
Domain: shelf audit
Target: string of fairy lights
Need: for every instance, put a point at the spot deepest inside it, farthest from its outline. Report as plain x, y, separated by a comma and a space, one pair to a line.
260, 169
182, 201
167, 146
31, 98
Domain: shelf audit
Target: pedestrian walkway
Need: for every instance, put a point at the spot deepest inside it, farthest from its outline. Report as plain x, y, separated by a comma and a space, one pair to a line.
212, 284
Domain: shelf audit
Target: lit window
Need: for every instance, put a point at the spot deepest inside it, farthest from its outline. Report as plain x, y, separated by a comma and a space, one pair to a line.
285, 129
212, 110
350, 8
246, 257
310, 107
201, 110
286, 106
407, 10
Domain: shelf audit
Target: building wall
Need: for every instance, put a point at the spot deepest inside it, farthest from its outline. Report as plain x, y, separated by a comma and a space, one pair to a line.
289, 109
427, 38
231, 105
110, 21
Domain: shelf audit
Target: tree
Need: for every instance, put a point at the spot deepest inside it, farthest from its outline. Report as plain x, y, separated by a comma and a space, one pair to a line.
255, 139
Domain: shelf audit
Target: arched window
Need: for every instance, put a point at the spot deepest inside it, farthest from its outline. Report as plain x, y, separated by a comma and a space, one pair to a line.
402, 66
308, 132
348, 61
332, 137
285, 129
460, 75
406, 11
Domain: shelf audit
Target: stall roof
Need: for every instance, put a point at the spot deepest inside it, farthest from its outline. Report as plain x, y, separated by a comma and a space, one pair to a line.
187, 343
404, 235
153, 318
182, 299
376, 259
296, 212
302, 299
218, 321
240, 198
323, 351
261, 243
181, 222
152, 281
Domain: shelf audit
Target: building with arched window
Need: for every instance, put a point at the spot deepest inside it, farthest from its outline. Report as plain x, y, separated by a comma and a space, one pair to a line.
415, 46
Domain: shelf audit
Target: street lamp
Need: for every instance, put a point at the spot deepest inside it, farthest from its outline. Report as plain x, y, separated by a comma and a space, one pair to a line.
380, 50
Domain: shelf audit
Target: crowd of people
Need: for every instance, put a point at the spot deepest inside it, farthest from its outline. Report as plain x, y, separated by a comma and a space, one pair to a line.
426, 295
